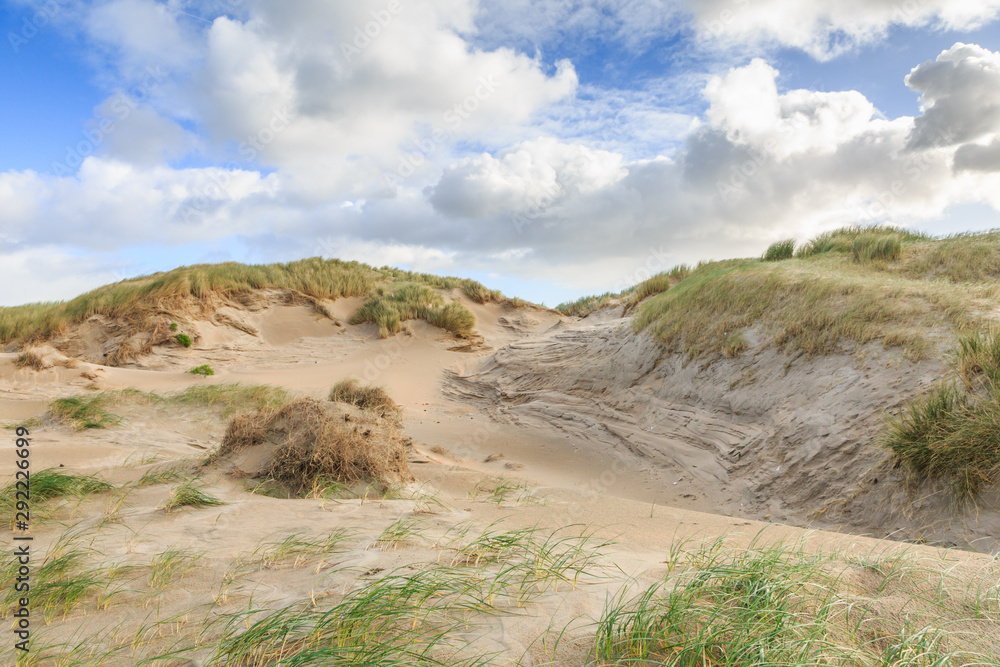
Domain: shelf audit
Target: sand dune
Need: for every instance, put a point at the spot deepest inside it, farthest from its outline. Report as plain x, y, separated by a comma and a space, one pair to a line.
545, 423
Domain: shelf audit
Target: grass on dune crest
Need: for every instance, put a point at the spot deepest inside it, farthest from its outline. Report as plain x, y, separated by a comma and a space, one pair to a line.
135, 300
857, 285
628, 298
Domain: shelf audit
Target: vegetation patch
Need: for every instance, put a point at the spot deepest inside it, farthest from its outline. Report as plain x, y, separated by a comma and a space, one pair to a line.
190, 494
856, 285
85, 413
628, 298
308, 440
205, 370
351, 391
953, 432
65, 579
183, 340
144, 304
30, 359
46, 485
773, 605
391, 306
780, 250
843, 240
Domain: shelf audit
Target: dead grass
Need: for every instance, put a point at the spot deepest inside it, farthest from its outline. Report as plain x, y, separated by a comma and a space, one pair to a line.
351, 391
307, 440
30, 359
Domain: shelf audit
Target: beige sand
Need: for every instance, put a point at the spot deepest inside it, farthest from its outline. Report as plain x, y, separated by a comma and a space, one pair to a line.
598, 429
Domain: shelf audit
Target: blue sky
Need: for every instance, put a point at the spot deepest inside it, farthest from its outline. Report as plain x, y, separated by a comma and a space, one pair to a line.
587, 144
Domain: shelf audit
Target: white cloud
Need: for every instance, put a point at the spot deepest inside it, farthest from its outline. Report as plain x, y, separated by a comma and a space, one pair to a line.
829, 29
959, 96
497, 160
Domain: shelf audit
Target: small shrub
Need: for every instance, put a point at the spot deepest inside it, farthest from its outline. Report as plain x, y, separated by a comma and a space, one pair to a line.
875, 247
366, 398
205, 370
780, 251
183, 339
29, 359
173, 326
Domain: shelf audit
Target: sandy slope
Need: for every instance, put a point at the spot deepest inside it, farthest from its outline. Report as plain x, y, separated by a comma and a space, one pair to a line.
596, 426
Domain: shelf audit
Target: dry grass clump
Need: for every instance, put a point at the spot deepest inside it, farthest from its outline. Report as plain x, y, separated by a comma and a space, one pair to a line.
307, 439
351, 391
30, 359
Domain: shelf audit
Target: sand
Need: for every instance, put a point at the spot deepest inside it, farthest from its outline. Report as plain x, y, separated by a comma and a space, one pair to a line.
598, 430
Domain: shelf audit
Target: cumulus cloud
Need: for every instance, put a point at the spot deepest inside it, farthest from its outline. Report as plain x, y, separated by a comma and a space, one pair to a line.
975, 157
764, 164
959, 96
415, 133
828, 29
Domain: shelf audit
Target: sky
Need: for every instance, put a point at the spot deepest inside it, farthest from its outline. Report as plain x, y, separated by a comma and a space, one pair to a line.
548, 148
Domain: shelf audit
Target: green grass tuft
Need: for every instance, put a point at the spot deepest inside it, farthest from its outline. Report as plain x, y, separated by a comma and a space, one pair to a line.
85, 413
232, 398
953, 432
189, 494
183, 339
392, 306
780, 250
205, 370
49, 484
876, 247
